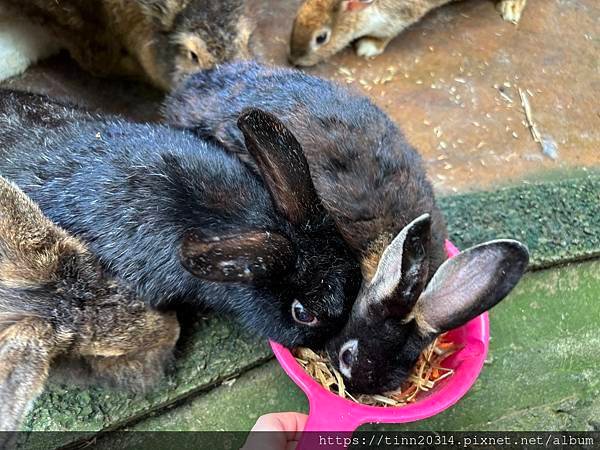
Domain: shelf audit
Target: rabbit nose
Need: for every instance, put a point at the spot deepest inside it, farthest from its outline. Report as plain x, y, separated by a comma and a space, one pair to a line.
347, 356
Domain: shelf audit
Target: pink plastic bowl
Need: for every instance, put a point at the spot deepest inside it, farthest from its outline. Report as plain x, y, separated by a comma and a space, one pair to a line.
331, 413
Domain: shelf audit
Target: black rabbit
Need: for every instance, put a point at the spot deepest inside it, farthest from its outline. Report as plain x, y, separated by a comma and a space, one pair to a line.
182, 220
386, 334
368, 177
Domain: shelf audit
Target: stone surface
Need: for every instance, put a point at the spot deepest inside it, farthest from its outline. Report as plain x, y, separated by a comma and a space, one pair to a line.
541, 372
232, 407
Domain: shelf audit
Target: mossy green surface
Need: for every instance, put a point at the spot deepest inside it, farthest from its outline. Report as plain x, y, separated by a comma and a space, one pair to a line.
559, 221
235, 407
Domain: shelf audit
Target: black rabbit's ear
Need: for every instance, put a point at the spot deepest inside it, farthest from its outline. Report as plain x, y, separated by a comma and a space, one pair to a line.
241, 258
282, 164
402, 271
469, 284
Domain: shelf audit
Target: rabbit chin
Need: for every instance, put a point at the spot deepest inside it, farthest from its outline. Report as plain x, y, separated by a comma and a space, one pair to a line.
21, 45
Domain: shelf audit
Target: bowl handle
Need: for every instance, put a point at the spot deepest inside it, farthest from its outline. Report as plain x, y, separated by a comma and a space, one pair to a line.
327, 428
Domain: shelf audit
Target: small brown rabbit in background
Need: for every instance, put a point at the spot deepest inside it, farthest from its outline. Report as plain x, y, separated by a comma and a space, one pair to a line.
56, 304
324, 27
160, 41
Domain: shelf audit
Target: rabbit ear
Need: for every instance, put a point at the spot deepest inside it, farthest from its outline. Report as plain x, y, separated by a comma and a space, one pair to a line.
282, 164
355, 5
241, 258
402, 270
25, 355
469, 284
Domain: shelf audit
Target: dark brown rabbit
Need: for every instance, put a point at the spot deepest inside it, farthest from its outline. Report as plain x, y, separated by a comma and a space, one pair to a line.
158, 40
57, 304
369, 178
324, 27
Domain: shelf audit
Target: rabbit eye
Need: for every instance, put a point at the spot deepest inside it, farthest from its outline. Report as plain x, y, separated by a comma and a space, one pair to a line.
303, 315
348, 357
322, 38
194, 57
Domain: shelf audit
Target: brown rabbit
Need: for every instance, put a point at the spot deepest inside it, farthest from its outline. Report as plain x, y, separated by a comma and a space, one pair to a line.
324, 27
56, 304
158, 40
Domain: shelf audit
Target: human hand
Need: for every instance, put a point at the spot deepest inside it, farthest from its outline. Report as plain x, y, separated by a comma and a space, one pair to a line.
276, 431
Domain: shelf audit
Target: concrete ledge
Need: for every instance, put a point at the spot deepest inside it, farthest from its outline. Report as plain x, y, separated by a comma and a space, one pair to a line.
559, 221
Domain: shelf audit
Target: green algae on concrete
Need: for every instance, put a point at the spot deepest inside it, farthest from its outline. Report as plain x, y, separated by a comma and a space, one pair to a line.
559, 221
229, 407
541, 372
233, 407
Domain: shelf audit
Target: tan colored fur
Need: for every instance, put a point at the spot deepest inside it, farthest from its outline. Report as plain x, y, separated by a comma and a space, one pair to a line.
70, 311
370, 261
21, 382
31, 245
372, 27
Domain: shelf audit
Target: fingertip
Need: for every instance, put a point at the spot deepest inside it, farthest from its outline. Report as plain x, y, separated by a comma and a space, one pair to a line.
288, 422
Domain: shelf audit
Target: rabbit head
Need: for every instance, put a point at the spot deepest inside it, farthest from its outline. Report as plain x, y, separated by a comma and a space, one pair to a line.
190, 36
324, 27
306, 267
395, 316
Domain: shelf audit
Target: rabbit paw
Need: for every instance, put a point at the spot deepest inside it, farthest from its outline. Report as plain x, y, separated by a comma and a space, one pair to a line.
511, 10
369, 47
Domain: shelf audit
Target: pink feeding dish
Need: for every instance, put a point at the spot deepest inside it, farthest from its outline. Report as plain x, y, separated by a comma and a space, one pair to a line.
331, 413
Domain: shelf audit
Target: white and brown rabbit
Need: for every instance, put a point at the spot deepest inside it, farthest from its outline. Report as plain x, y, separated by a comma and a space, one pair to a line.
157, 40
56, 303
324, 27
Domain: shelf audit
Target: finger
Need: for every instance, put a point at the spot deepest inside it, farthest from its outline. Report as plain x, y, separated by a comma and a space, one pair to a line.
276, 431
289, 422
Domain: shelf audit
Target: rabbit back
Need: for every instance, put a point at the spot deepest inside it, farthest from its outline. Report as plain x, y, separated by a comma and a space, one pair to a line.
81, 172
